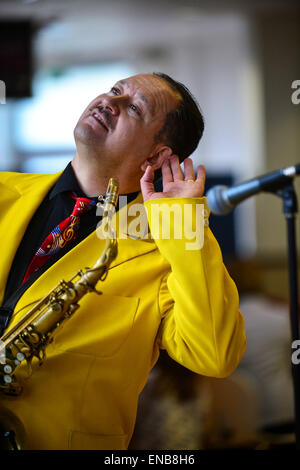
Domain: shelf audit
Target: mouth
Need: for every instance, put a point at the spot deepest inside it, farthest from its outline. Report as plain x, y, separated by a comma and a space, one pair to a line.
100, 120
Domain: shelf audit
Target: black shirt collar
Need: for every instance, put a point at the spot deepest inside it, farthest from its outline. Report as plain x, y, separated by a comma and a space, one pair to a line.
68, 182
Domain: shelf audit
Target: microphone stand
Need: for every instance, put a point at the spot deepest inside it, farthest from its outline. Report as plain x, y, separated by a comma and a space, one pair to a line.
290, 208
279, 183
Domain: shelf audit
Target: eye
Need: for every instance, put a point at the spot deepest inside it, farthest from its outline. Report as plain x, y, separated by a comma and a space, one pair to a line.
134, 108
115, 91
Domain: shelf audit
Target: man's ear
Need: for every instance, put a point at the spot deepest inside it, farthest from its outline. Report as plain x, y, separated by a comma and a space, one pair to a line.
156, 160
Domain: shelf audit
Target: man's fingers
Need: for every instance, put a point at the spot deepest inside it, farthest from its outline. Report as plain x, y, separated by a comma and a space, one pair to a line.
176, 168
147, 186
189, 173
166, 172
201, 173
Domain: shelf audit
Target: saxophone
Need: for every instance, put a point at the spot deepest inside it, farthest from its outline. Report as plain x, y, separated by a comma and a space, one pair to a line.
30, 336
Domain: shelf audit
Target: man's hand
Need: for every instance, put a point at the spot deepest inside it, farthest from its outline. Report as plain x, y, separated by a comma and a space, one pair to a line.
175, 182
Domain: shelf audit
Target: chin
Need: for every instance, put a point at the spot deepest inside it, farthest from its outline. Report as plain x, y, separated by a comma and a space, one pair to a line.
84, 134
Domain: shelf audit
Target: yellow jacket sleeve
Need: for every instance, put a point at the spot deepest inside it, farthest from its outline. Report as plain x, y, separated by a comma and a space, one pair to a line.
202, 327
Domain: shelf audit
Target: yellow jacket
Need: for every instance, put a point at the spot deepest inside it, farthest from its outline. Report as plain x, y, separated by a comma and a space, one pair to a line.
156, 295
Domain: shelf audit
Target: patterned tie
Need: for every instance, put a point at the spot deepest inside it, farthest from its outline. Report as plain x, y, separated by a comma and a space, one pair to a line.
61, 235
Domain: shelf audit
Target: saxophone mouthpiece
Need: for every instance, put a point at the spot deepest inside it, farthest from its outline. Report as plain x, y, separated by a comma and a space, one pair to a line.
112, 192
108, 203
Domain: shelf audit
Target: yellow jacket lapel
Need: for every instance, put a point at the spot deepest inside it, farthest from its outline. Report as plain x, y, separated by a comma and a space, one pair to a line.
21, 195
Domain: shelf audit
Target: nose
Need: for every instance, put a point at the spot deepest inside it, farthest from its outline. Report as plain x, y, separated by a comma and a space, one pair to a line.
112, 104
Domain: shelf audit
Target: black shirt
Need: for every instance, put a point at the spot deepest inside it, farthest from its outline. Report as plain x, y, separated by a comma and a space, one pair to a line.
56, 206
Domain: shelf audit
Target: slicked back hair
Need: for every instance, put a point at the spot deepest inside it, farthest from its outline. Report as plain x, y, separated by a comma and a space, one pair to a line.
183, 127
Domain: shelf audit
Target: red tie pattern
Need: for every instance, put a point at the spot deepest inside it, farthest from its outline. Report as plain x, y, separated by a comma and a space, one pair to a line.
60, 236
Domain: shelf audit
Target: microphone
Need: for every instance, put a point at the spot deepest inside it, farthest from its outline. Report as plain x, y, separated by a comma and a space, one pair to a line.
221, 200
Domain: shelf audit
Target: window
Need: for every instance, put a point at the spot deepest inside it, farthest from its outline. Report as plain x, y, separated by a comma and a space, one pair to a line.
44, 124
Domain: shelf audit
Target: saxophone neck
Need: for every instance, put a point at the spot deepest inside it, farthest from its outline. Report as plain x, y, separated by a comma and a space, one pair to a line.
110, 250
109, 204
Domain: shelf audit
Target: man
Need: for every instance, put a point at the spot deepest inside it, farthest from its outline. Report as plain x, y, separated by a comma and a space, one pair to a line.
157, 294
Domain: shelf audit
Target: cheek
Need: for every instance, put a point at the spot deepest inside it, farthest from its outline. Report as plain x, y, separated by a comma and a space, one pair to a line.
127, 134
133, 137
136, 141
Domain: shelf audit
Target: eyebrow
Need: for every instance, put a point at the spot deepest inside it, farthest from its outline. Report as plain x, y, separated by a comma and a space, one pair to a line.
139, 95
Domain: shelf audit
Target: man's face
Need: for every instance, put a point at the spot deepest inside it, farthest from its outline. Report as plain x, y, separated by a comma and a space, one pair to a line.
122, 124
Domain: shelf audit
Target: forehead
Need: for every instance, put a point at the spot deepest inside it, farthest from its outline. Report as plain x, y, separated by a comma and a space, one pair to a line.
153, 91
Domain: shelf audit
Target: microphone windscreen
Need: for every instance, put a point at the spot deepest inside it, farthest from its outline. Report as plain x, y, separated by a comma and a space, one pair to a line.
216, 202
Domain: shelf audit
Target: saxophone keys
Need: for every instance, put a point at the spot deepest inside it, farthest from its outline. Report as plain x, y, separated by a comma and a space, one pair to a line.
32, 335
25, 350
7, 379
29, 366
20, 349
56, 307
8, 369
72, 309
34, 338
70, 293
19, 357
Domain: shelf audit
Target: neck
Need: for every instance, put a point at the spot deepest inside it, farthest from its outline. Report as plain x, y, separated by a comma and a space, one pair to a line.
93, 178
